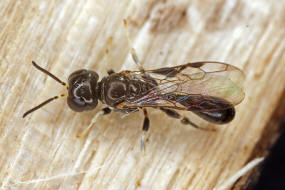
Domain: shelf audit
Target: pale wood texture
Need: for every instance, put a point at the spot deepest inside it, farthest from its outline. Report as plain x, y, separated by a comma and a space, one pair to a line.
63, 36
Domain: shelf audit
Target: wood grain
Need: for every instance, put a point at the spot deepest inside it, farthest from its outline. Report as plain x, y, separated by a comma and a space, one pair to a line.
42, 150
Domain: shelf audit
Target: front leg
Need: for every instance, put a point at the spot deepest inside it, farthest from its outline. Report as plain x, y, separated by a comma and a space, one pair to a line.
104, 111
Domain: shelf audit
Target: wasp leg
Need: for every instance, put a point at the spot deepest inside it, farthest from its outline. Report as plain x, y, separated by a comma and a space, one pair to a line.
184, 120
107, 56
136, 60
133, 51
145, 129
104, 111
110, 71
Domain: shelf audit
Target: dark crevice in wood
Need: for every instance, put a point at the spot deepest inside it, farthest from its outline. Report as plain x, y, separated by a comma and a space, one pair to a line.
263, 147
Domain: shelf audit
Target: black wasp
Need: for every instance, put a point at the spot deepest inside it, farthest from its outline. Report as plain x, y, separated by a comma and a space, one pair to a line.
208, 89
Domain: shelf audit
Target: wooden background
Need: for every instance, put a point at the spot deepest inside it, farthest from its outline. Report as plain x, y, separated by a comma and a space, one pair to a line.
42, 150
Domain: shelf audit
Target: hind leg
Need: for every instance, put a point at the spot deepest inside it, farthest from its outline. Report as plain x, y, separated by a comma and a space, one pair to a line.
184, 120
144, 129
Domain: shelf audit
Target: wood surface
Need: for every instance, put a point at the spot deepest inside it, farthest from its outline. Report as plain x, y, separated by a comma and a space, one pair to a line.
42, 151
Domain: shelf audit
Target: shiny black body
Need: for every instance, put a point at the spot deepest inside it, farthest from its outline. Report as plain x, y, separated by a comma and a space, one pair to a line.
111, 90
82, 91
208, 89
85, 90
118, 88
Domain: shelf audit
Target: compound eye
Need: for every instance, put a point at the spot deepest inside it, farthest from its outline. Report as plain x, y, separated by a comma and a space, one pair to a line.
79, 101
82, 90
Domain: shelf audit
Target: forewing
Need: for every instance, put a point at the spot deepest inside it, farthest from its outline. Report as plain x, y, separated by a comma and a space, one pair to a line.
200, 82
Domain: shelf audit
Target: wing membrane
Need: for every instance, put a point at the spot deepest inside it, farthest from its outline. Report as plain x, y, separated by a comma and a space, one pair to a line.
190, 85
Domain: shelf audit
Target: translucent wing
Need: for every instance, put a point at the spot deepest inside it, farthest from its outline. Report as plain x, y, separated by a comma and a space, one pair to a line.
192, 86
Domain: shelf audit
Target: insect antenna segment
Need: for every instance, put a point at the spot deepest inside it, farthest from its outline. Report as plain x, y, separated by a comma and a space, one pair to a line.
50, 99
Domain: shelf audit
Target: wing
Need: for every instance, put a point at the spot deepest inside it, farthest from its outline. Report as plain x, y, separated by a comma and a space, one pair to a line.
199, 86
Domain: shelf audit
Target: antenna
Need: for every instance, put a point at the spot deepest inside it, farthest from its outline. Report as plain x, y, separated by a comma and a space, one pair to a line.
50, 99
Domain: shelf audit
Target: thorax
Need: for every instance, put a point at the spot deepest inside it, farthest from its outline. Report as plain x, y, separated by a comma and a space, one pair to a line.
118, 88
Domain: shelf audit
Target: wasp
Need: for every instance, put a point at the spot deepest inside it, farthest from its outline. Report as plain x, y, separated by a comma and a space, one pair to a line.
208, 89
